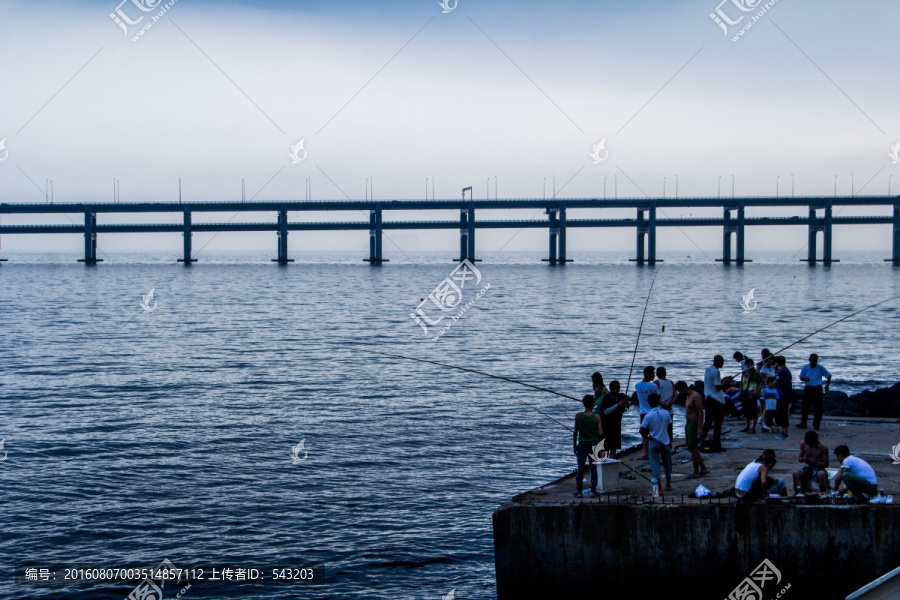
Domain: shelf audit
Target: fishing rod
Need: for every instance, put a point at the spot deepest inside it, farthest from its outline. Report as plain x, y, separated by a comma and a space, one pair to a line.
433, 362
640, 328
835, 323
826, 327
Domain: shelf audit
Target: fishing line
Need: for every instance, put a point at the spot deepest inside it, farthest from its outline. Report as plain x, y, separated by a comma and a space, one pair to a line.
835, 323
433, 362
638, 341
827, 326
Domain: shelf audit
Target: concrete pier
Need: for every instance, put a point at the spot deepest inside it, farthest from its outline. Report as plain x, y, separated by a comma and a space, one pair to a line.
550, 545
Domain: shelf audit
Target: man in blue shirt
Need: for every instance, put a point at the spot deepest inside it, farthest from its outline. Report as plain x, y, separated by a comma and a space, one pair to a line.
812, 375
655, 426
785, 386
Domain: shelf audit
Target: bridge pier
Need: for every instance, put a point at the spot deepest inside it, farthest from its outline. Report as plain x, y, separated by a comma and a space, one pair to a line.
557, 229
733, 227
90, 238
895, 251
815, 226
375, 236
187, 260
467, 233
646, 231
282, 239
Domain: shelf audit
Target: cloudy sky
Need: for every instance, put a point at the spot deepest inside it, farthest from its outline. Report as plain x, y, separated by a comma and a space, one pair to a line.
400, 91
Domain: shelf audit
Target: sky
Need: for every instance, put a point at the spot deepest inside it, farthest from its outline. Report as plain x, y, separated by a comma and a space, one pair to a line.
400, 92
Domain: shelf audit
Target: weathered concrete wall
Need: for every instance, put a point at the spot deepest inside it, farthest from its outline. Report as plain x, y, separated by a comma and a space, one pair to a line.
698, 551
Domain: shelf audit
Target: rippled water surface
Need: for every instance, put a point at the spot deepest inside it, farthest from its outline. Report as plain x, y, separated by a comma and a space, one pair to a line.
135, 436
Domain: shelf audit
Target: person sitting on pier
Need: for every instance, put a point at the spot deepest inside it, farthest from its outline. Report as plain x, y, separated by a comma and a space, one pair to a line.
814, 455
610, 408
856, 476
586, 435
655, 427
754, 482
643, 389
693, 417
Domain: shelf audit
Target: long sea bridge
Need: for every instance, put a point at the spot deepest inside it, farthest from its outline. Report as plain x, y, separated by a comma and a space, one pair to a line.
817, 213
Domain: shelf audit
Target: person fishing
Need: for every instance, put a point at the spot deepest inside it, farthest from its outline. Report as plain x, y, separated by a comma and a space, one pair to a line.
610, 406
586, 435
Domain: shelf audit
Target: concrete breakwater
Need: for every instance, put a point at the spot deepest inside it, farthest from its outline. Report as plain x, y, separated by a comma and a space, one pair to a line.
551, 545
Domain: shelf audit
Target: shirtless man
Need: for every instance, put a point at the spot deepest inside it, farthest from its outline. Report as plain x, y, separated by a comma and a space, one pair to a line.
814, 454
693, 416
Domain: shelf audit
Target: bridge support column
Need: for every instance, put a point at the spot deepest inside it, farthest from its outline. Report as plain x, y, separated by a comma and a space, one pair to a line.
895, 251
557, 218
727, 231
375, 236
740, 234
642, 230
90, 238
187, 260
815, 226
651, 234
282, 239
811, 237
553, 216
467, 233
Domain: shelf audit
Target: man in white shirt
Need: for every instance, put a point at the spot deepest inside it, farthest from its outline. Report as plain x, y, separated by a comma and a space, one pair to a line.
644, 389
655, 426
812, 375
856, 475
714, 389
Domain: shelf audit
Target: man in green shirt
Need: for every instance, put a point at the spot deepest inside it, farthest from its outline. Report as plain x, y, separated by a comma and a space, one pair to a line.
586, 435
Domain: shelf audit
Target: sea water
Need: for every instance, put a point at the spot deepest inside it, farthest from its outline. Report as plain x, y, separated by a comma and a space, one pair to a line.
133, 435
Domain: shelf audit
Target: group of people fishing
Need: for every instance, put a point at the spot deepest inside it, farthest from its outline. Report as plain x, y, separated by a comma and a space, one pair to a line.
762, 396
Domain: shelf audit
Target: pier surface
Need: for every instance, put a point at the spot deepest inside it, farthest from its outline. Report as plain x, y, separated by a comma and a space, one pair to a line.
550, 544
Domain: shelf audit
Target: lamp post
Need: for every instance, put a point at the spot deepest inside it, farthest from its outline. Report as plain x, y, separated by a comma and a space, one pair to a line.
719, 187
792, 185
777, 177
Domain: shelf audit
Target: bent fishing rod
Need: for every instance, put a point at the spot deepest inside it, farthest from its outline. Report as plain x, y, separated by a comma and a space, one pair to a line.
508, 379
842, 319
